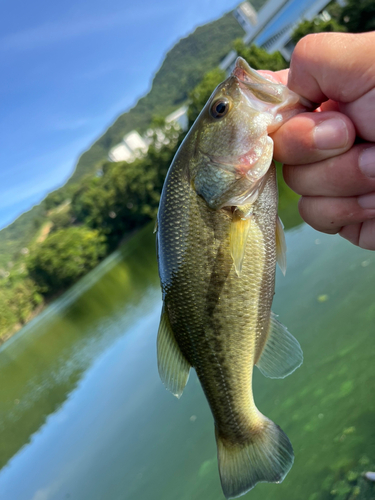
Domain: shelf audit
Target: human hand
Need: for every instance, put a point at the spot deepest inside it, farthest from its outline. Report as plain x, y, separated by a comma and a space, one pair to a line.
334, 175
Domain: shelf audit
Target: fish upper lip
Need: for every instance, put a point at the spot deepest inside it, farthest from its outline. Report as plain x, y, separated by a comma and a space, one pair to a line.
249, 79
275, 91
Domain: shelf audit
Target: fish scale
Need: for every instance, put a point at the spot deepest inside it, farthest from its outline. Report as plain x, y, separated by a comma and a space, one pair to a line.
201, 251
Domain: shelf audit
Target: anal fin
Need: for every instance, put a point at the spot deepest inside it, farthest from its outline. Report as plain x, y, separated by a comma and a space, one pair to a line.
173, 367
281, 354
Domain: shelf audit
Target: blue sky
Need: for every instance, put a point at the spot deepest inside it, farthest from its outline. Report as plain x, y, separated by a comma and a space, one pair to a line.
68, 69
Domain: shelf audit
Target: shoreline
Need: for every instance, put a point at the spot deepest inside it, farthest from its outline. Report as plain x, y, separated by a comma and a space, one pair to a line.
8, 334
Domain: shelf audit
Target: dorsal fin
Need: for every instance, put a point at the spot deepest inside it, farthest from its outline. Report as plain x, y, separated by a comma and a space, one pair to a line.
173, 367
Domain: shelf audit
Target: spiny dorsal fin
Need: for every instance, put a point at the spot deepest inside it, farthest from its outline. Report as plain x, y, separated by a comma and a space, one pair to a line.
173, 367
280, 246
239, 231
281, 354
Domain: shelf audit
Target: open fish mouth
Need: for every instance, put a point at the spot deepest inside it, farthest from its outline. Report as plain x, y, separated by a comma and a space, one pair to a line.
269, 96
258, 86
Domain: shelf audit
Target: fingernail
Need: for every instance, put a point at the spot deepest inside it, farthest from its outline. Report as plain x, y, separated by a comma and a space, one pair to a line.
367, 162
331, 134
367, 201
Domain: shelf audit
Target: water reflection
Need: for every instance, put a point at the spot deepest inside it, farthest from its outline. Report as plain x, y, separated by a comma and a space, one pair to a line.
41, 365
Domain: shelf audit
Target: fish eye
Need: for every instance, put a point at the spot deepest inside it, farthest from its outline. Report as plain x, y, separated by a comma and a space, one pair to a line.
219, 108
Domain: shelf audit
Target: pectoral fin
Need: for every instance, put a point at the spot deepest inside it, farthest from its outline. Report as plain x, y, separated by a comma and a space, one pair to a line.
173, 367
280, 246
239, 231
281, 354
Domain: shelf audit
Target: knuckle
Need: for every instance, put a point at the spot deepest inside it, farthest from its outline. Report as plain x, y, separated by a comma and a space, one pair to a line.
294, 143
291, 177
306, 211
303, 47
320, 215
367, 235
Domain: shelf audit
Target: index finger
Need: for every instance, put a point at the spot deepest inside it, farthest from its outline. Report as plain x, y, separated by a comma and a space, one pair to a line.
332, 66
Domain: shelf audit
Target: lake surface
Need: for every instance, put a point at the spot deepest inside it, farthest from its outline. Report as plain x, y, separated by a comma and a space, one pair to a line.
84, 416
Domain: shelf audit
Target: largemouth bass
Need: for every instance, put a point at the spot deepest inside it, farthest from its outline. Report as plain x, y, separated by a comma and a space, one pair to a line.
218, 240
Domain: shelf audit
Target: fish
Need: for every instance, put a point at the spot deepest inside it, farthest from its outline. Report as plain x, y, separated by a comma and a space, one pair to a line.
218, 239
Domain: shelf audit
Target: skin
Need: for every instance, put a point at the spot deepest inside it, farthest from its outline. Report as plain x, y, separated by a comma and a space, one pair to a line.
323, 165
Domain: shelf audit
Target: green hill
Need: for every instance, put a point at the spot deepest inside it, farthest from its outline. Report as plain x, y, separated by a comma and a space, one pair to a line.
56, 242
183, 67
18, 234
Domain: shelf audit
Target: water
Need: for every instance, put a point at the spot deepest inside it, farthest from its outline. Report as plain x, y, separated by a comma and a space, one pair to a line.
84, 416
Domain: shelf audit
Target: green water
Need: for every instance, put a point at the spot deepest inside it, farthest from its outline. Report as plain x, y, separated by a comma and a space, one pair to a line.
84, 416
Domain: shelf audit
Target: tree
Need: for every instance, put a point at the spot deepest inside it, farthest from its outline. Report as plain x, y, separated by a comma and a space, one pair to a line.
23, 299
259, 58
64, 257
317, 25
201, 93
358, 16
127, 195
7, 316
61, 219
54, 199
90, 201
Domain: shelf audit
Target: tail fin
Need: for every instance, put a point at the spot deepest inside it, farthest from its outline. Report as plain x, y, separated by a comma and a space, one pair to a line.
266, 456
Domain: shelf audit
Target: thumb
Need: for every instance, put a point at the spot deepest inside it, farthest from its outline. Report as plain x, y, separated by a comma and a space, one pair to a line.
311, 137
